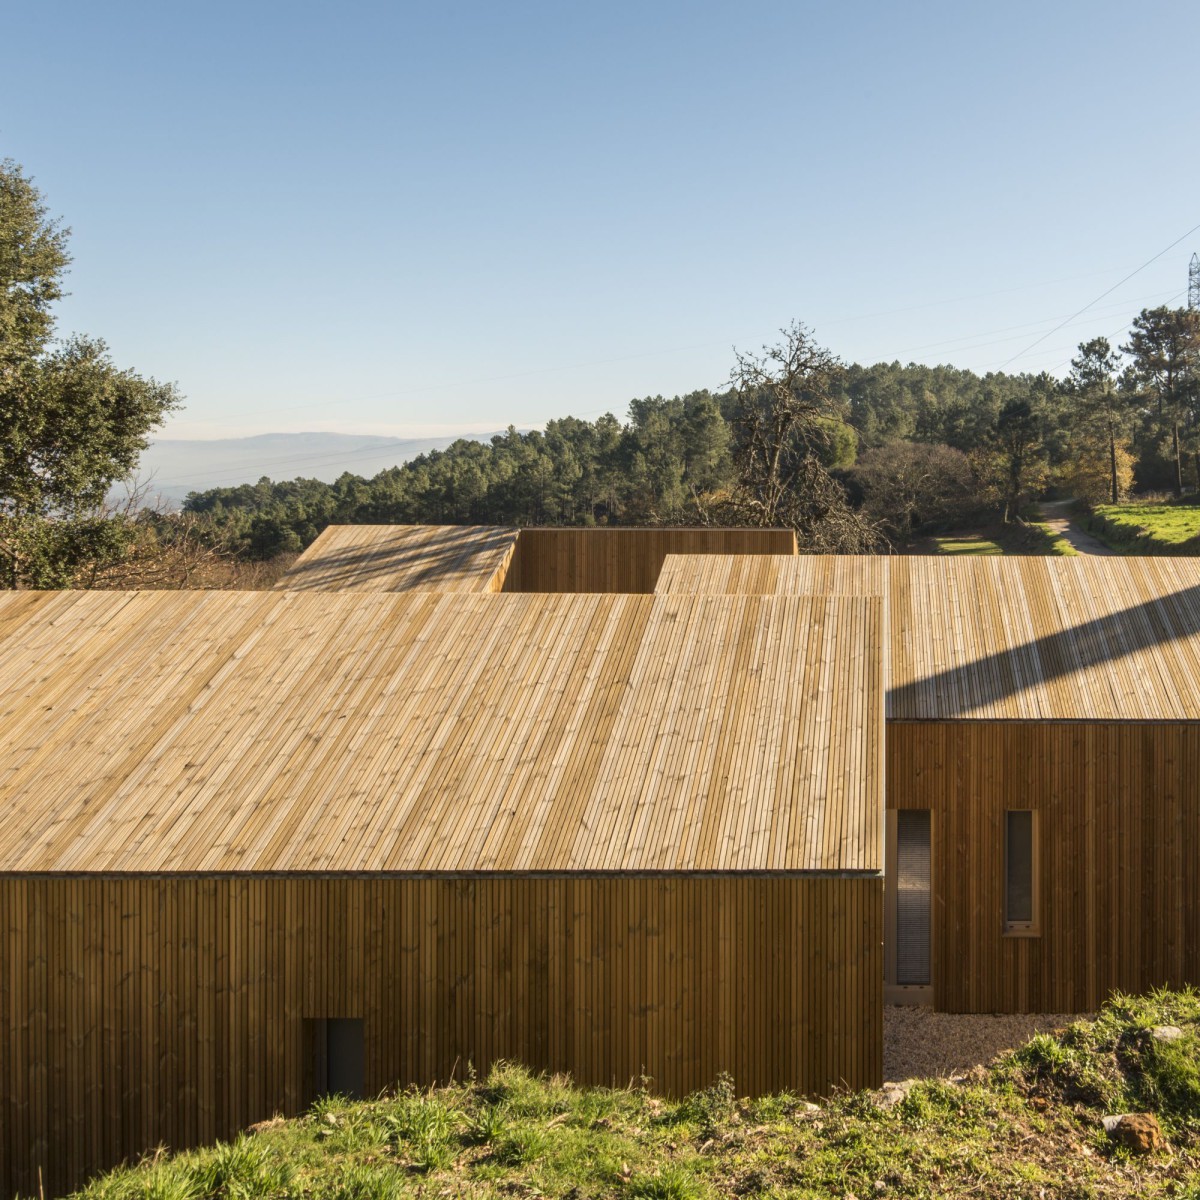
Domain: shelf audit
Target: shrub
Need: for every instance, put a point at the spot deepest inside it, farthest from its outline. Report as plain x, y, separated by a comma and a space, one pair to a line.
711, 1108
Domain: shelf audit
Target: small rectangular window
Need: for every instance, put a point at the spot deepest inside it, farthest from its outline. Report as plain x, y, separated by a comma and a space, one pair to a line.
1020, 871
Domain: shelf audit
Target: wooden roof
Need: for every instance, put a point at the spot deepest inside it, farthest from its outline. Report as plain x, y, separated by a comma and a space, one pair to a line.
404, 558
305, 731
1004, 637
775, 574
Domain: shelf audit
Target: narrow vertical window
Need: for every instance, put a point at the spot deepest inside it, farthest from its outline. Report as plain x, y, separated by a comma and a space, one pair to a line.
912, 897
1020, 871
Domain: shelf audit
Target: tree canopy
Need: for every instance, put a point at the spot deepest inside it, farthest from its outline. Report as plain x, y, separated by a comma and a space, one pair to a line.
74, 423
852, 457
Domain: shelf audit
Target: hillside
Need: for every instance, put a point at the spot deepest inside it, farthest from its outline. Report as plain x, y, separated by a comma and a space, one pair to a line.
1028, 1126
173, 467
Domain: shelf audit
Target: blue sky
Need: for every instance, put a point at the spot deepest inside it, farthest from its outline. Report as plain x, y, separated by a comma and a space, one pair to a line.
401, 218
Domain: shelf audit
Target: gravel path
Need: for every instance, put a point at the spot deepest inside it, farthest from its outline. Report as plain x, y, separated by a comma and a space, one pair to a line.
1056, 516
919, 1042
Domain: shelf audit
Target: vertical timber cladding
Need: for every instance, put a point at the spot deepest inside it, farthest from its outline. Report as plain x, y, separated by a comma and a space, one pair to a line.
144, 1009
1119, 838
616, 559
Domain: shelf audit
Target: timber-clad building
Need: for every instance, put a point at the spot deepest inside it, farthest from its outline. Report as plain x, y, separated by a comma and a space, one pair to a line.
615, 802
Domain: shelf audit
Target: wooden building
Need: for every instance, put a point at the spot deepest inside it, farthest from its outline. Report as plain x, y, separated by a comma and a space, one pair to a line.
254, 846
1043, 768
613, 802
472, 558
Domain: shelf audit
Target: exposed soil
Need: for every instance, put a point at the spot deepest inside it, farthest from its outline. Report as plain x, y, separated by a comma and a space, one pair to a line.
919, 1042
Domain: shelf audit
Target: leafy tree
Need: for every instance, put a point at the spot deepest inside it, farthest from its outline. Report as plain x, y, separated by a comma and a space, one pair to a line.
1103, 411
1164, 345
73, 422
1013, 462
1095, 463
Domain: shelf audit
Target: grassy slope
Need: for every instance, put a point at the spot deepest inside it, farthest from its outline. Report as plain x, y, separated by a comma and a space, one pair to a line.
1026, 1127
1027, 537
971, 544
1148, 528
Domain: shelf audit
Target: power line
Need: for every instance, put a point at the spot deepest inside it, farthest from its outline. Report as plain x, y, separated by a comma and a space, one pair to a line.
1117, 332
1100, 297
1026, 326
237, 475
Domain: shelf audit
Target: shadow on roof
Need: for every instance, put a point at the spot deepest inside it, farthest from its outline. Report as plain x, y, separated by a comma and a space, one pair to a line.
1112, 640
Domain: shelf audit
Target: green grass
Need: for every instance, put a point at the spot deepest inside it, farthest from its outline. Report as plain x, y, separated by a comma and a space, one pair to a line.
1028, 1126
1034, 536
1021, 537
1052, 543
973, 544
1148, 528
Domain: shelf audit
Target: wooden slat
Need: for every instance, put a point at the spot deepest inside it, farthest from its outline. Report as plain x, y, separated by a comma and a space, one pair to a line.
404, 558
1119, 838
619, 559
672, 976
1004, 638
318, 731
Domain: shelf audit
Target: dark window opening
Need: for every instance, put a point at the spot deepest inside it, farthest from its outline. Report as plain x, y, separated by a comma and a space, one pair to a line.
336, 1057
912, 897
1020, 876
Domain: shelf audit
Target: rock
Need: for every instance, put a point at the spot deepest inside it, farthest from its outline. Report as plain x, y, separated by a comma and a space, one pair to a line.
809, 1106
1139, 1132
892, 1093
1166, 1033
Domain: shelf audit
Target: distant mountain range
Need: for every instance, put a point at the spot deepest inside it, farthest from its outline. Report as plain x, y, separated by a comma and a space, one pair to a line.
172, 467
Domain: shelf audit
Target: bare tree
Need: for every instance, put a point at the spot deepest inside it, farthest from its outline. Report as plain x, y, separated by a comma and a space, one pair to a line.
787, 410
908, 486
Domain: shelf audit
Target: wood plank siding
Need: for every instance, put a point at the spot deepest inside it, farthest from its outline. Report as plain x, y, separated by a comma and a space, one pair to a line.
1061, 685
617, 559
306, 731
1119, 856
404, 558
481, 558
171, 1009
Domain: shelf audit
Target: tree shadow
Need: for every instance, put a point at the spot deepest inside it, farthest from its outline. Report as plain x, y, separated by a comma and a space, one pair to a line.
964, 689
404, 559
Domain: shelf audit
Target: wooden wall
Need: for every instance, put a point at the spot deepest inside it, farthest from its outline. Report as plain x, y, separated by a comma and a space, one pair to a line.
615, 559
1119, 864
135, 1010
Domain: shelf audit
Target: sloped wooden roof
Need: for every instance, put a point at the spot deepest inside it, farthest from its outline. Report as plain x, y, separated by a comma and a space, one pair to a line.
404, 558
1004, 637
775, 574
304, 731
